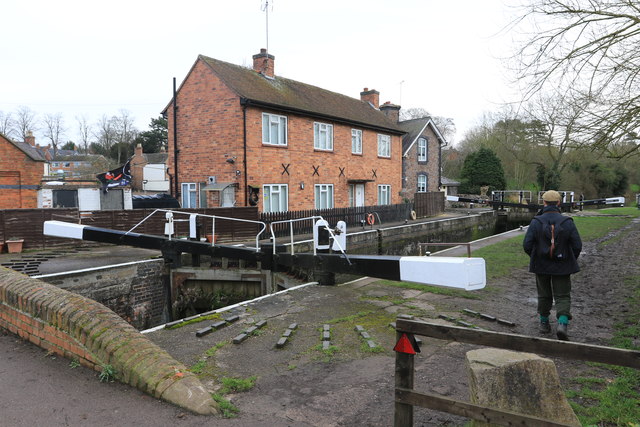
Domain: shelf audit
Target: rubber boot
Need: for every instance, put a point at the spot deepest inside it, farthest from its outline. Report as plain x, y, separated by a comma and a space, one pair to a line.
561, 331
545, 327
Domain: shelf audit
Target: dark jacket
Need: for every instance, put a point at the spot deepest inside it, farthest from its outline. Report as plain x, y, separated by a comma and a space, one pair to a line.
542, 264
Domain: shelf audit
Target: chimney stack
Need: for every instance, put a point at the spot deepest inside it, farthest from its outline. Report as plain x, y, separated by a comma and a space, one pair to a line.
371, 96
263, 63
392, 111
30, 139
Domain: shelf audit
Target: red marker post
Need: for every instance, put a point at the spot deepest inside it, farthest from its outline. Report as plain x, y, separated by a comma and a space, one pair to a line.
405, 351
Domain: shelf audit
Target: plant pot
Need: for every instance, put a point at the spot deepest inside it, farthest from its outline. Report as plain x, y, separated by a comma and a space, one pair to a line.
14, 246
211, 238
1, 246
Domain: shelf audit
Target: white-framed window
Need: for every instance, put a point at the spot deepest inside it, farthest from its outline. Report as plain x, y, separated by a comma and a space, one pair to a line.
275, 197
422, 149
356, 141
324, 196
322, 136
384, 194
274, 129
384, 145
189, 195
422, 183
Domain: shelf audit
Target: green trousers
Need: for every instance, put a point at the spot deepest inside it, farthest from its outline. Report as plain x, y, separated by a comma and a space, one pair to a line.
550, 288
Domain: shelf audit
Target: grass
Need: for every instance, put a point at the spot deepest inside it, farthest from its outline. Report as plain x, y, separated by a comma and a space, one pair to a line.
108, 374
432, 289
215, 316
232, 385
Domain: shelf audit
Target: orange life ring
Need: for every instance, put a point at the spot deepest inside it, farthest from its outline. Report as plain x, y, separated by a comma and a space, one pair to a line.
371, 219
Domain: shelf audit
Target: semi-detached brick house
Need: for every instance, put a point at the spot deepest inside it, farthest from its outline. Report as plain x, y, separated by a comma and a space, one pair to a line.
421, 157
22, 166
249, 137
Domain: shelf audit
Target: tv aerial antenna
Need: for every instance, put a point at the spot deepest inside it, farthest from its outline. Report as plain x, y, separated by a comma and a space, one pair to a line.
265, 8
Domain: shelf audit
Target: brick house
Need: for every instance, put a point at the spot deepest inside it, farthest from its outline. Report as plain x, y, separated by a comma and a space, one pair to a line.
22, 166
248, 137
149, 171
421, 157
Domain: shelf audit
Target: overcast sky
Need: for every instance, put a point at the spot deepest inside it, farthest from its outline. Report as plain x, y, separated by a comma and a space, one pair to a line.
96, 58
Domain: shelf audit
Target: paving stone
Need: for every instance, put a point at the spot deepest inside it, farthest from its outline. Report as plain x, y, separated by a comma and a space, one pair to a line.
405, 316
240, 338
293, 326
473, 313
393, 325
487, 317
371, 344
231, 319
261, 323
204, 331
250, 330
326, 327
359, 328
365, 335
219, 324
287, 333
465, 324
326, 345
326, 336
506, 322
281, 342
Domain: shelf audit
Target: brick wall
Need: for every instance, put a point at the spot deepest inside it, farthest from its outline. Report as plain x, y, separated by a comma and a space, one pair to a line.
80, 329
134, 291
431, 167
18, 170
210, 130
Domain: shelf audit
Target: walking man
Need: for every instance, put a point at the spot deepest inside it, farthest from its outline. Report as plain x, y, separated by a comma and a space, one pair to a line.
553, 244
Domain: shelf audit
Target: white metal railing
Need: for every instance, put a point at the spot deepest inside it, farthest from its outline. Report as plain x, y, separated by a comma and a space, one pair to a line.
192, 218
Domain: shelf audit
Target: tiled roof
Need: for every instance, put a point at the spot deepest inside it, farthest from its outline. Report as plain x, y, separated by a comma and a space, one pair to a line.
414, 129
291, 95
28, 149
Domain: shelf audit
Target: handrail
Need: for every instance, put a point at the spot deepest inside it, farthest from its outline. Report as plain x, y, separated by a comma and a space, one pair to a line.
213, 217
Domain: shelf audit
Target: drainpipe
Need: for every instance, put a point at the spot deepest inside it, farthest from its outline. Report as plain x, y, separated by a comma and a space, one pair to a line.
175, 141
243, 102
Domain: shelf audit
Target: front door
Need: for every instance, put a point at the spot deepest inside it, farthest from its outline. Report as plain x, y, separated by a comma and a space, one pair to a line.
359, 195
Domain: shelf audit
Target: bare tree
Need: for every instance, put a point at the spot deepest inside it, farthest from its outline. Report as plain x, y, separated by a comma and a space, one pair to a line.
26, 121
6, 124
84, 132
105, 135
54, 130
589, 49
125, 133
444, 124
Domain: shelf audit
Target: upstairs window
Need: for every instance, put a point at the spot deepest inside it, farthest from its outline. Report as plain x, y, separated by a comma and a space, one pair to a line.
356, 141
274, 129
384, 145
422, 149
323, 136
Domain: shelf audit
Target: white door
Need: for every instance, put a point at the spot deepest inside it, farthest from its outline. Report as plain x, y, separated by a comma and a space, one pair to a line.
359, 199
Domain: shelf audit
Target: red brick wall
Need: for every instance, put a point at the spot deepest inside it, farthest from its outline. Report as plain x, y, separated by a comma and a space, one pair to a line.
210, 126
17, 169
431, 167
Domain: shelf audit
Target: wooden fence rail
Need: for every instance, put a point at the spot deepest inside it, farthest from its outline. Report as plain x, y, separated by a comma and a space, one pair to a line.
406, 398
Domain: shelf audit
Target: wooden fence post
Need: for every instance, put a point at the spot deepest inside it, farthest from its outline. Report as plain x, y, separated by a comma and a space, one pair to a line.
403, 415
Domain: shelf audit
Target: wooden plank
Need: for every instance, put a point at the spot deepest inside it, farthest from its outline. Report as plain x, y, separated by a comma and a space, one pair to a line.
469, 410
514, 342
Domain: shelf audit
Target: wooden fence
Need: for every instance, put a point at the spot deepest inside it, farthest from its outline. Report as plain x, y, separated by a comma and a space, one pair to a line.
354, 217
428, 204
28, 224
406, 397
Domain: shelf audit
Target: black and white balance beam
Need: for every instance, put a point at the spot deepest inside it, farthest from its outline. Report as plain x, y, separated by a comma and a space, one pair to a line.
452, 272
